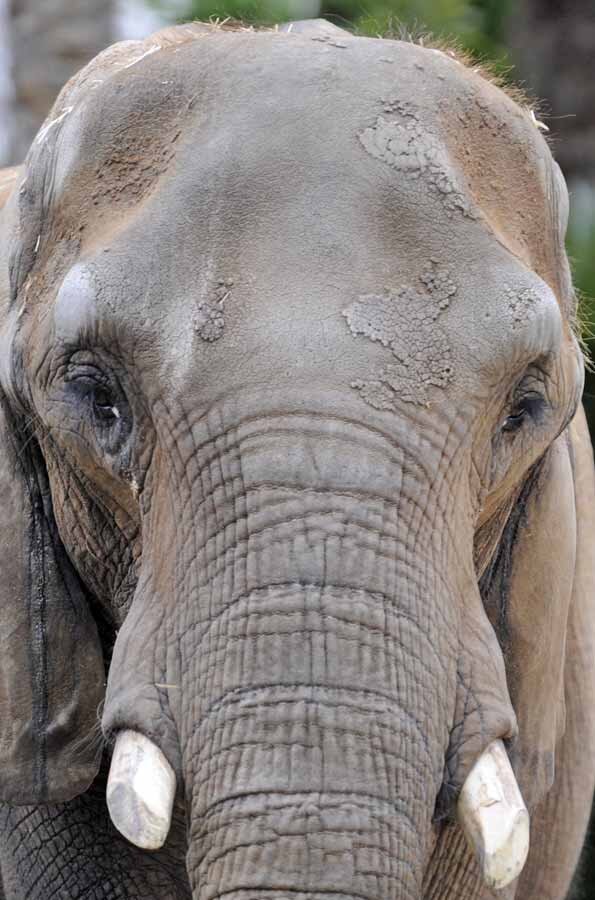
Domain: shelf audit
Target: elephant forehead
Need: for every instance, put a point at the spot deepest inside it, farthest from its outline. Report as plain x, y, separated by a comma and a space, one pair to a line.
207, 181
231, 131
277, 105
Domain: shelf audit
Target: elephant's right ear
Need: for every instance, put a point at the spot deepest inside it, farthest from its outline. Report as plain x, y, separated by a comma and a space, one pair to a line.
51, 665
541, 572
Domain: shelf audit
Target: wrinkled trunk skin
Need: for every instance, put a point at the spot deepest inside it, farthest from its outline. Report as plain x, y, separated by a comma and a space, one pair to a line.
316, 666
323, 779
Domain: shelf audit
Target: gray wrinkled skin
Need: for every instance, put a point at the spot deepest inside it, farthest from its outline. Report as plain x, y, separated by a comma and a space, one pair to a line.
289, 391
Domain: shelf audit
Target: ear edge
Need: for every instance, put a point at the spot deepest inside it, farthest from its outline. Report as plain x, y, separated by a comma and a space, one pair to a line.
530, 595
51, 663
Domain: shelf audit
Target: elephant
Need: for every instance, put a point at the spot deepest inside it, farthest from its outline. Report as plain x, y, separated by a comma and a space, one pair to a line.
297, 490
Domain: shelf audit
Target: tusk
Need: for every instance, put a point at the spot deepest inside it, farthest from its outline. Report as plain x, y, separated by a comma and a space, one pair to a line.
140, 790
494, 817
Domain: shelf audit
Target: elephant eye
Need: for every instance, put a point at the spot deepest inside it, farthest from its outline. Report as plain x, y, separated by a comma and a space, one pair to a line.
528, 408
104, 404
100, 395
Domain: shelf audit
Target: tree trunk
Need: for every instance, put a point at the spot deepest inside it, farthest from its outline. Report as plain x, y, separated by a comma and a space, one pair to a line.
552, 43
49, 42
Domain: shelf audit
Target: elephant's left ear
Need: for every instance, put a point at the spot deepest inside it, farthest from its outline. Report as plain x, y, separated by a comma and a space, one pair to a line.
51, 664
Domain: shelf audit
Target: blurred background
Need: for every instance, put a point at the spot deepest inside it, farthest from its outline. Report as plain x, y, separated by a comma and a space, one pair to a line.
548, 46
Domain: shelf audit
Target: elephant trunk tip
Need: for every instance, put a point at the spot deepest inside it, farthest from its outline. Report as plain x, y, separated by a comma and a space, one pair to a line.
494, 817
140, 791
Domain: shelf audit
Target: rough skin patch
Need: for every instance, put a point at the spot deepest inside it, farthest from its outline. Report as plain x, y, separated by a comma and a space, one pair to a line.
209, 319
398, 139
138, 143
131, 171
404, 322
439, 284
522, 305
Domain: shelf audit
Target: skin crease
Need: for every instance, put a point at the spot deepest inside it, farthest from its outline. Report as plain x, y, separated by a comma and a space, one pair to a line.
297, 400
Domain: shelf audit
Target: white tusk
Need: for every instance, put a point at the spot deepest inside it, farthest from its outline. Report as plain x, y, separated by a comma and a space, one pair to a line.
140, 790
494, 817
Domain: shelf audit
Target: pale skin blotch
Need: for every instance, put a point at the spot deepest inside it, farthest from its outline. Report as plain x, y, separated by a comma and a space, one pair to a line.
209, 319
404, 321
400, 140
523, 305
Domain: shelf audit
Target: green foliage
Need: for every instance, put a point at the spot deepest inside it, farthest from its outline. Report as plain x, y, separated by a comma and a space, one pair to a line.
581, 251
477, 24
376, 16
255, 12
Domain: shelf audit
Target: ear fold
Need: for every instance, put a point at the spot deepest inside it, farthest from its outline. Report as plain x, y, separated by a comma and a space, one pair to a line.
51, 665
529, 594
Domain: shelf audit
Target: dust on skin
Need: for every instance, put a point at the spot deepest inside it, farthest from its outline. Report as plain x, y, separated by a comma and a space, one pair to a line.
421, 351
124, 160
209, 319
400, 140
488, 136
135, 151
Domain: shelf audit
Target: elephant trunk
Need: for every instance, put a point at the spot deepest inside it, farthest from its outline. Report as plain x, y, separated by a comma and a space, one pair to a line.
315, 765
310, 664
317, 686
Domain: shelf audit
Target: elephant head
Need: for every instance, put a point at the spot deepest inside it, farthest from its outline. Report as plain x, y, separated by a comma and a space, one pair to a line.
289, 384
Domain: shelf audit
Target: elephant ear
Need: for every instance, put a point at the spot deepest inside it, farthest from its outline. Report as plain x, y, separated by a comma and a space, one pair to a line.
51, 665
529, 590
